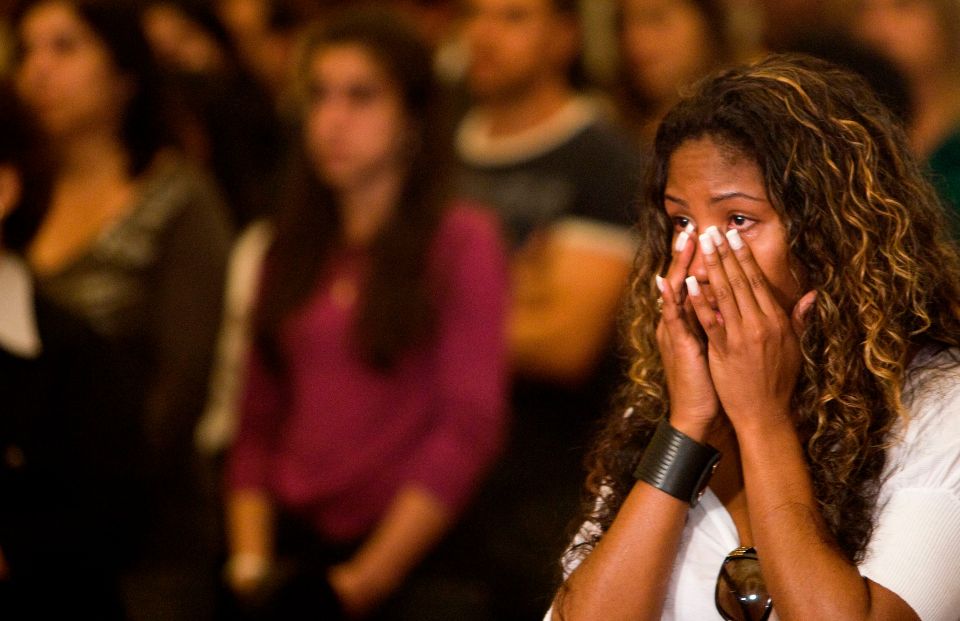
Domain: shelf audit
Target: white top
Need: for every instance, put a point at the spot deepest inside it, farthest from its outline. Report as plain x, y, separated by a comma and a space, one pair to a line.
18, 323
915, 550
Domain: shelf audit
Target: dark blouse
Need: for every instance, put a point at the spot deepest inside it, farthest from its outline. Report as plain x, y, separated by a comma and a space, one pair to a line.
153, 284
68, 474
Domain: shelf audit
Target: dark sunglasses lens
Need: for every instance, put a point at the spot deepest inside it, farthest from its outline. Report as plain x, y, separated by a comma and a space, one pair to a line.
741, 593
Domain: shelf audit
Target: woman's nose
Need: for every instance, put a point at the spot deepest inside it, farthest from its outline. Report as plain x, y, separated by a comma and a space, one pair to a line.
698, 268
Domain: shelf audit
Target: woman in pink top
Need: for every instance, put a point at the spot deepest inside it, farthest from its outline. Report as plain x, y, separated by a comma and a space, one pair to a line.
375, 390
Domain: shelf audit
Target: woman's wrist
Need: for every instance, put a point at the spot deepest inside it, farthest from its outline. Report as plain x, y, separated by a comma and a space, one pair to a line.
245, 570
695, 426
360, 588
760, 419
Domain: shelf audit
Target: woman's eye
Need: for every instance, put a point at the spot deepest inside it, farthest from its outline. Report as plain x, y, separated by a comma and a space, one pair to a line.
741, 222
363, 94
680, 223
316, 93
65, 44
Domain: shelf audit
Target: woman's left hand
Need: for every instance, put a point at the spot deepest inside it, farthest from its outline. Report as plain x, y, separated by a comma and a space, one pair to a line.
360, 592
754, 351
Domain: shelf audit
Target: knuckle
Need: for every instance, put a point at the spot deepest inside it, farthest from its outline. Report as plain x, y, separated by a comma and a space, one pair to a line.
759, 333
757, 281
672, 321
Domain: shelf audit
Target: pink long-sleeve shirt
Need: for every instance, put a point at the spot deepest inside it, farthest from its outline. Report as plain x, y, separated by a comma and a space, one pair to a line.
337, 440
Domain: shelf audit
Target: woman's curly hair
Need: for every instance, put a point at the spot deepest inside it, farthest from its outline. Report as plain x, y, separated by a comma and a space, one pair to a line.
865, 230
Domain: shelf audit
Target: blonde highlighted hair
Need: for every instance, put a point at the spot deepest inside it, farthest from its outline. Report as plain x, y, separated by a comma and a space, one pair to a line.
865, 230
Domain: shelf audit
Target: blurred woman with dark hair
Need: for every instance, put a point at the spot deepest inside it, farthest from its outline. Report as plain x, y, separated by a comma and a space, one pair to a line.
375, 394
135, 242
665, 46
70, 441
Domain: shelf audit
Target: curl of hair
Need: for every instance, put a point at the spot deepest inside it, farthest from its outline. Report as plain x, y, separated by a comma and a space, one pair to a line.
865, 230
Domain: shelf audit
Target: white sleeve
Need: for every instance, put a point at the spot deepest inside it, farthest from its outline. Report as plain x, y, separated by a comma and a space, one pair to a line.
217, 425
915, 548
915, 552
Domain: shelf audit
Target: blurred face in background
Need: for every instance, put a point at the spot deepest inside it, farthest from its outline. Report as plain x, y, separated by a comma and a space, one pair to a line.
244, 17
665, 45
515, 44
65, 73
356, 124
909, 32
180, 42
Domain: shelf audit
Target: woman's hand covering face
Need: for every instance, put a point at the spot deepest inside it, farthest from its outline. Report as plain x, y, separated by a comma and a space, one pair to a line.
753, 346
724, 336
693, 400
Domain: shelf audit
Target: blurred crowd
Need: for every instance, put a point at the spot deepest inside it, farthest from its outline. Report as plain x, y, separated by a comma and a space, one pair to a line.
309, 308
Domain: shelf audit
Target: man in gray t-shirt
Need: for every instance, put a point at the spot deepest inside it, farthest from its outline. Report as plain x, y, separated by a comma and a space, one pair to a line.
563, 182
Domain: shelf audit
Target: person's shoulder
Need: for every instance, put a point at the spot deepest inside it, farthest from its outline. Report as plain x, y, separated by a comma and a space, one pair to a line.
923, 450
580, 124
184, 198
174, 183
171, 167
465, 223
608, 164
607, 141
947, 151
603, 132
466, 217
466, 232
933, 385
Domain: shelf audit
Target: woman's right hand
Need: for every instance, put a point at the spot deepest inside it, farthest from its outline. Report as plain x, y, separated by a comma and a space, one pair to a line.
245, 573
693, 400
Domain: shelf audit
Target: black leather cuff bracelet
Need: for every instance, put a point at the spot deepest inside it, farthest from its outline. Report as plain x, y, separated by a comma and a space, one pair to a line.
677, 464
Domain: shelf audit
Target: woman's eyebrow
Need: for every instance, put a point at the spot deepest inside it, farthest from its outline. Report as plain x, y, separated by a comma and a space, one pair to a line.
736, 194
674, 199
717, 198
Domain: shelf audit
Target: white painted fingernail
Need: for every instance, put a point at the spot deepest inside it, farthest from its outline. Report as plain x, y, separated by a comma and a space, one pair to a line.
706, 244
693, 287
682, 241
690, 229
660, 283
733, 236
715, 235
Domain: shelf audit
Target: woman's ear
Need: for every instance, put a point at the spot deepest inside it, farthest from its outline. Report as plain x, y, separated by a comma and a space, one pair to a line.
798, 318
10, 189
